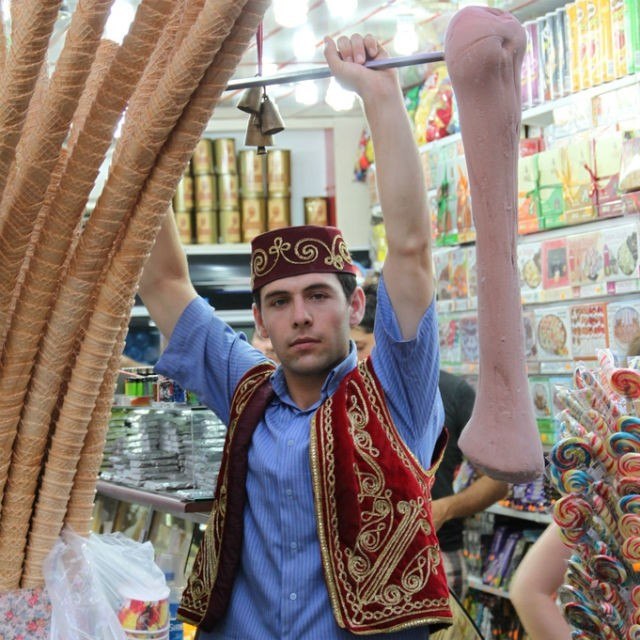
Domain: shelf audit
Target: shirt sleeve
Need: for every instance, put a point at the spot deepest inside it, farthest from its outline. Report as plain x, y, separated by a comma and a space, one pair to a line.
408, 372
206, 356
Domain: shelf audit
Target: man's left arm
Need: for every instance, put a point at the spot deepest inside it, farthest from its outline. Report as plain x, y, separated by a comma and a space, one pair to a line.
479, 495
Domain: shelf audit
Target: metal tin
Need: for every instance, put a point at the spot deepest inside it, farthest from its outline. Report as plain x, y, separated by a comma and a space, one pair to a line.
228, 191
279, 172
252, 172
206, 191
202, 159
278, 213
225, 155
253, 212
184, 222
316, 211
230, 229
183, 197
206, 226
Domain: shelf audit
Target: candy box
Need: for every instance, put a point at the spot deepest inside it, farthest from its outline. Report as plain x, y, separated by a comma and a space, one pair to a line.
578, 180
589, 330
468, 328
464, 219
586, 262
443, 272
541, 398
528, 195
459, 278
555, 263
529, 327
607, 152
553, 333
550, 166
623, 320
530, 270
620, 252
449, 332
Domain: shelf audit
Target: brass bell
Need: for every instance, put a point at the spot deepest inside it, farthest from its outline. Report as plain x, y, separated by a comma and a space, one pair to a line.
251, 100
254, 136
270, 120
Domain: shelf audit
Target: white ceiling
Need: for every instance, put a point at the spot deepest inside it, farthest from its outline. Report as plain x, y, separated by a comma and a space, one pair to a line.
378, 17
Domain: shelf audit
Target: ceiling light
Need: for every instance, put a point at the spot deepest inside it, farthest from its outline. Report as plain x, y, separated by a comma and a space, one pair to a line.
290, 13
120, 19
306, 92
337, 98
304, 43
405, 41
342, 8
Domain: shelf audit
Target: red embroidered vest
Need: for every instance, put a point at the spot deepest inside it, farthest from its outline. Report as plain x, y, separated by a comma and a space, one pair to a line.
380, 553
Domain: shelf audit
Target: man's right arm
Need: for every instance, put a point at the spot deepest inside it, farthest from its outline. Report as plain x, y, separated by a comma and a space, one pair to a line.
165, 287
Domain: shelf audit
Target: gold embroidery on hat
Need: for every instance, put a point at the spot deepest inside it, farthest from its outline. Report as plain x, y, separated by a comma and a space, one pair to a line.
305, 251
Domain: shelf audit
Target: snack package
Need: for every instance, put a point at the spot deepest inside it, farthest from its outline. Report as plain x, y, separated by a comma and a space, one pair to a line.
630, 162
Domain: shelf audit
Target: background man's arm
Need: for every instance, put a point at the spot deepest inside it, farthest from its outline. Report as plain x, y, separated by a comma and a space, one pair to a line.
165, 287
408, 268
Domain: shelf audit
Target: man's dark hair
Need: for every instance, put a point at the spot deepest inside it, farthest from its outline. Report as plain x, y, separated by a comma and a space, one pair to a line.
371, 301
347, 282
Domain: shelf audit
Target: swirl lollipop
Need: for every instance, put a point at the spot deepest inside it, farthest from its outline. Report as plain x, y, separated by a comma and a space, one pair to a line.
630, 504
631, 549
629, 464
626, 382
570, 426
582, 617
608, 569
634, 632
630, 424
570, 593
600, 400
571, 453
629, 525
622, 442
627, 486
611, 594
578, 576
575, 481
600, 453
635, 596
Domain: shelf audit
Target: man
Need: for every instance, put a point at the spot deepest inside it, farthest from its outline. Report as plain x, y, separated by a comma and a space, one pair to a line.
448, 508
321, 525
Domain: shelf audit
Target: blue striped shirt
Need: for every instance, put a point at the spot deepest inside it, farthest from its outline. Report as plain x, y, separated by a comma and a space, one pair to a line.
279, 592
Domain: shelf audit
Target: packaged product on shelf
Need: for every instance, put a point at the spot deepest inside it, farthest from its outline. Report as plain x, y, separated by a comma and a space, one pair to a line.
184, 222
572, 34
546, 50
229, 226
254, 218
224, 153
578, 180
553, 333
202, 158
530, 76
529, 326
555, 263
450, 346
428, 95
589, 329
183, 199
563, 50
542, 405
206, 192
618, 38
252, 172
620, 252
228, 196
459, 276
630, 162
586, 261
469, 346
206, 226
585, 59
444, 285
528, 195
464, 219
316, 210
550, 164
278, 212
279, 172
623, 320
530, 269
607, 153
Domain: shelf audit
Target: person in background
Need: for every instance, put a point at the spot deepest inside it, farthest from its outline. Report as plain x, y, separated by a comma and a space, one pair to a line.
449, 508
264, 345
307, 539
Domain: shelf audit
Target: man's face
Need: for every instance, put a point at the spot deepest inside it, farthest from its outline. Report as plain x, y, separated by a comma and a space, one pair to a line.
364, 342
308, 319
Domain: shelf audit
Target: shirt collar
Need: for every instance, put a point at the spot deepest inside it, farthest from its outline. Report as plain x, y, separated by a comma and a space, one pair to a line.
329, 386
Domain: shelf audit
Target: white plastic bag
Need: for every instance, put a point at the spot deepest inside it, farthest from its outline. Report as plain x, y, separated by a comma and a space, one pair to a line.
79, 608
105, 587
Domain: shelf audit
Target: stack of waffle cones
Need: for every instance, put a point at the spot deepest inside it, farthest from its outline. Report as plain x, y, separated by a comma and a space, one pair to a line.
66, 289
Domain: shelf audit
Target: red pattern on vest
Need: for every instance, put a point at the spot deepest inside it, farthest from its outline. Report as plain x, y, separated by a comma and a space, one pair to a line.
380, 554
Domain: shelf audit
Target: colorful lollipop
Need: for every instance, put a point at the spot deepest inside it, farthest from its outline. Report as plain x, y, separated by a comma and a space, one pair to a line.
608, 569
626, 382
630, 504
629, 464
627, 485
622, 442
571, 453
631, 549
630, 424
575, 481
629, 525
583, 617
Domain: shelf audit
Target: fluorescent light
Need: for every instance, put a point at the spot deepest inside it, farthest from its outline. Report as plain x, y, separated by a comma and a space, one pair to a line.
342, 8
405, 41
304, 43
120, 19
290, 13
306, 92
337, 98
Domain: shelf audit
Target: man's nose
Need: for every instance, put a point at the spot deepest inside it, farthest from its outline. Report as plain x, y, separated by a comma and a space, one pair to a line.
301, 315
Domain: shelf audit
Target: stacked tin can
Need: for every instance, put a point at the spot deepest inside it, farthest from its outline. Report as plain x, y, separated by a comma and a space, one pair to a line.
228, 193
206, 224
278, 188
253, 193
183, 204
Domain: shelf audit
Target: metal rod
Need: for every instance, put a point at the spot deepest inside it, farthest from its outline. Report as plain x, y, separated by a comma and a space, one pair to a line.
325, 72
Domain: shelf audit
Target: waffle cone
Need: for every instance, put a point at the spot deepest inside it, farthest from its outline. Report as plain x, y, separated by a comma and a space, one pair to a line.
3, 45
33, 22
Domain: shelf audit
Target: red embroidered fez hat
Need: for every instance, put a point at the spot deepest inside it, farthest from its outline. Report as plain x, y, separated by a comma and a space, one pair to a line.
294, 251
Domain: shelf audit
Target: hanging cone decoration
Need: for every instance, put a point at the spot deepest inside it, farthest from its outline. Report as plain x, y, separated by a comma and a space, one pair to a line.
270, 119
254, 136
251, 100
